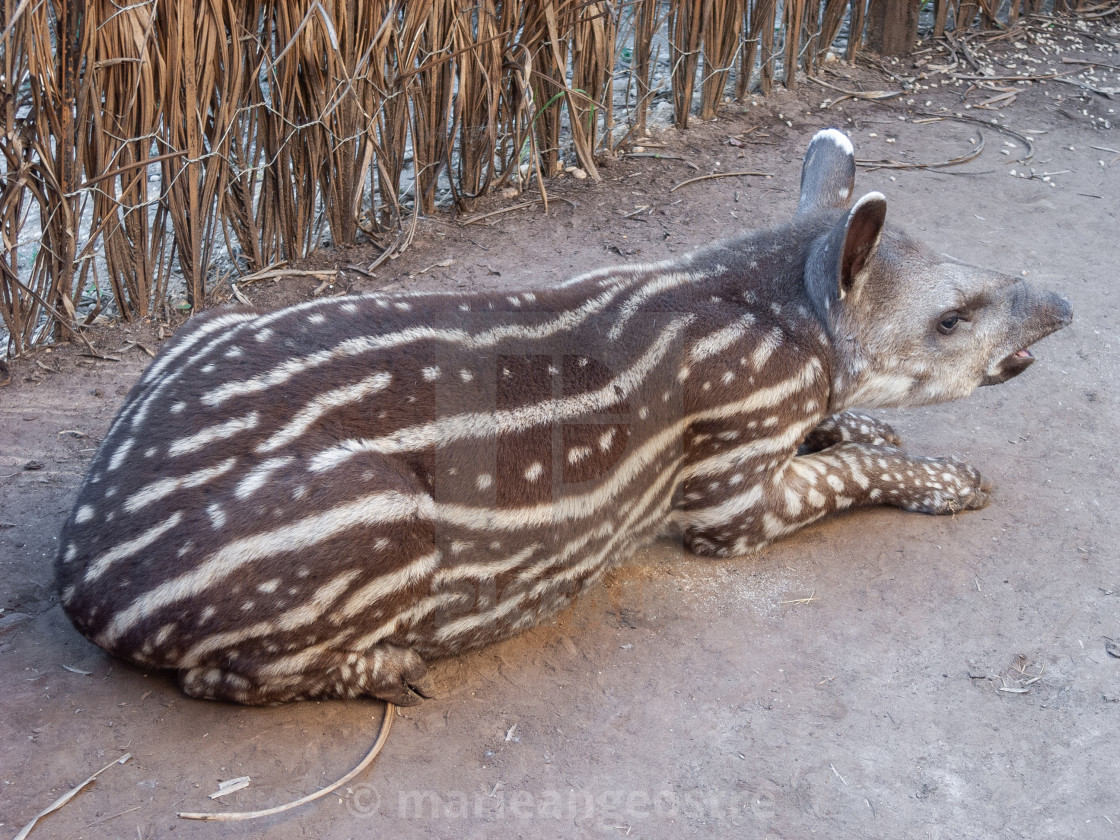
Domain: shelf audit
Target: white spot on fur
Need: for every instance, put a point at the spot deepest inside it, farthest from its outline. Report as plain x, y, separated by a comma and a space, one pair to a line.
578, 453
484, 481
217, 515
84, 514
534, 472
121, 454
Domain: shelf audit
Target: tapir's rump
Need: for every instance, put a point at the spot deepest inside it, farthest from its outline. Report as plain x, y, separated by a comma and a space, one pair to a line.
315, 501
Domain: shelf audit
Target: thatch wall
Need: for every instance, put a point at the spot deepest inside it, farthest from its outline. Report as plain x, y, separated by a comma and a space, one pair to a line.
142, 140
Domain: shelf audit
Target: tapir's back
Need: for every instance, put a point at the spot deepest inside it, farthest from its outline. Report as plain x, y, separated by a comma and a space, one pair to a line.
391, 468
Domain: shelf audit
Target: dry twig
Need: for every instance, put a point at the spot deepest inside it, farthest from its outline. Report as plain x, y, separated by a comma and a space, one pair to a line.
382, 737
892, 164
66, 797
721, 175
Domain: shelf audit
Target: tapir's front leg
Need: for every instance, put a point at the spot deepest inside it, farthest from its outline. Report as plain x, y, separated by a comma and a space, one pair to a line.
804, 488
848, 426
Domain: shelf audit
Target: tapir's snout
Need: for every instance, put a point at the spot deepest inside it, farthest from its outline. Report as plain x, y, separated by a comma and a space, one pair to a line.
1034, 315
1062, 311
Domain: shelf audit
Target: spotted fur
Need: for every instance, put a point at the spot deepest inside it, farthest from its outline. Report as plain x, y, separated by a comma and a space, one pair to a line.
314, 502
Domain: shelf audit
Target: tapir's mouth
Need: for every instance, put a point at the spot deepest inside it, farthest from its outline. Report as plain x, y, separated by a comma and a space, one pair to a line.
1009, 367
1047, 313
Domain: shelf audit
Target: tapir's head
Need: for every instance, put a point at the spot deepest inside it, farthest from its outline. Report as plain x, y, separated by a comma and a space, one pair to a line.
908, 326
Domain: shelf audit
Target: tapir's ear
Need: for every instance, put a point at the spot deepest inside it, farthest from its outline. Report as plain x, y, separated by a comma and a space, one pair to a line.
828, 174
862, 229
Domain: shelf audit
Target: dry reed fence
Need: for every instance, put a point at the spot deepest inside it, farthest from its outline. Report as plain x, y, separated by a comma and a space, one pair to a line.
142, 139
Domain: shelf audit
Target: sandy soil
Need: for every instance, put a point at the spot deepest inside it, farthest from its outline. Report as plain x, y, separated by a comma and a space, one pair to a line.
879, 675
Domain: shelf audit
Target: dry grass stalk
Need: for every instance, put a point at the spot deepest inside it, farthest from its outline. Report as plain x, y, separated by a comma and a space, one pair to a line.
832, 19
767, 52
686, 28
794, 19
647, 22
811, 35
722, 38
591, 109
856, 28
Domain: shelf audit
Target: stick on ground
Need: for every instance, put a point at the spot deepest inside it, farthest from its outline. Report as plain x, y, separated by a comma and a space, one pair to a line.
382, 737
66, 797
721, 175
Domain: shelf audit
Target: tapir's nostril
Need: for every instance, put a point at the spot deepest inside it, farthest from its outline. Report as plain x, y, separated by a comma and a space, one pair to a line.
1059, 309
1066, 309
1041, 307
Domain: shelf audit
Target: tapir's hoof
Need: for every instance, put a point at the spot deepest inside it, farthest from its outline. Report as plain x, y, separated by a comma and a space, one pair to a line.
952, 486
403, 678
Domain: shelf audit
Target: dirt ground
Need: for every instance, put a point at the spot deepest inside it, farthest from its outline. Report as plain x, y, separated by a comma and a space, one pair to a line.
881, 674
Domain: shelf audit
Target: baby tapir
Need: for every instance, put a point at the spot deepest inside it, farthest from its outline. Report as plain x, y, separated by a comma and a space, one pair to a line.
316, 501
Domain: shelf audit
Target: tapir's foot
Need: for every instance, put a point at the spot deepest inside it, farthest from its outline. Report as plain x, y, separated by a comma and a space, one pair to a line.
385, 671
395, 674
945, 485
850, 427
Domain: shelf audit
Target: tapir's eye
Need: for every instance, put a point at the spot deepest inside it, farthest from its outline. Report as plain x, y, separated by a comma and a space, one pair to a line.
948, 322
